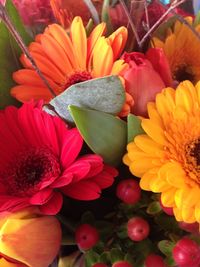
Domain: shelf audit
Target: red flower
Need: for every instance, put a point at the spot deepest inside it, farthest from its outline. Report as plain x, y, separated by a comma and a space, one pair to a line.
35, 11
146, 76
39, 160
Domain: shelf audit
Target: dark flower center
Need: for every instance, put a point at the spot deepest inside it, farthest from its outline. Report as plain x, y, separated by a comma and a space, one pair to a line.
193, 159
78, 77
183, 73
29, 169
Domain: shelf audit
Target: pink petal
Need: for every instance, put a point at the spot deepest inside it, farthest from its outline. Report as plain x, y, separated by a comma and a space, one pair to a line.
83, 190
71, 147
10, 203
53, 206
96, 164
106, 177
41, 197
64, 180
79, 169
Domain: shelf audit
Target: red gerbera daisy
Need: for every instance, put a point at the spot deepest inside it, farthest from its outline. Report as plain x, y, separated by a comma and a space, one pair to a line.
39, 160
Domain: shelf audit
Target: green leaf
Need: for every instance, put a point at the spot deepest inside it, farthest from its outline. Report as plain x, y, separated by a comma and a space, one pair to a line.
104, 134
166, 247
9, 55
106, 17
91, 258
197, 19
170, 262
116, 255
154, 208
134, 127
104, 94
105, 257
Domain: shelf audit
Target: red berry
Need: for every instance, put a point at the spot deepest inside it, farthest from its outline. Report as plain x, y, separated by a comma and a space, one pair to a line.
138, 229
128, 191
167, 210
122, 264
186, 253
86, 236
153, 260
99, 265
190, 227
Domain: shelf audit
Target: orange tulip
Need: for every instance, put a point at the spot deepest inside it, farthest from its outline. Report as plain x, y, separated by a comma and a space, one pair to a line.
28, 239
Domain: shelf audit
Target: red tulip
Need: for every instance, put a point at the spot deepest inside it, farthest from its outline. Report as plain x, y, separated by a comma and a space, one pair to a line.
146, 76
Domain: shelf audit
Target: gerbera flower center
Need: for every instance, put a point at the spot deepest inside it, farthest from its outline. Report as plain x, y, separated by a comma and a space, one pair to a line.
193, 158
183, 73
29, 169
78, 77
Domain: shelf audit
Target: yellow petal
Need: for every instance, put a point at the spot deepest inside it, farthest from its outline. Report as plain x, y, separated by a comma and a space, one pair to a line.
102, 58
154, 131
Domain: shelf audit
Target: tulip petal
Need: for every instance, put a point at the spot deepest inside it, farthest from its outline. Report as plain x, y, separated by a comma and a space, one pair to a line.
33, 242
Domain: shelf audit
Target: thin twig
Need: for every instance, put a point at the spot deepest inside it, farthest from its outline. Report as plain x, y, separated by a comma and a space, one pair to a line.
6, 19
131, 22
93, 11
173, 6
146, 15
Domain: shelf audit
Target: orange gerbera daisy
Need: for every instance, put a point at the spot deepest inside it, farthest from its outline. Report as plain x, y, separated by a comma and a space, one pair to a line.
182, 47
167, 157
65, 60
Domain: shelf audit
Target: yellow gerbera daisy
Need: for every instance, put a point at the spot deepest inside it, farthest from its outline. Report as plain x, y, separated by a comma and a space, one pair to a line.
65, 59
167, 157
182, 47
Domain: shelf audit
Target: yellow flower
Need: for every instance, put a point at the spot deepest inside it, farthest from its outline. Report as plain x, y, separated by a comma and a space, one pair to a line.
28, 240
167, 157
182, 47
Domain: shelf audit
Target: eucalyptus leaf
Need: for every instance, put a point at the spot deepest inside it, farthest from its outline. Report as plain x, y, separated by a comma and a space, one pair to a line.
134, 127
104, 133
9, 55
104, 94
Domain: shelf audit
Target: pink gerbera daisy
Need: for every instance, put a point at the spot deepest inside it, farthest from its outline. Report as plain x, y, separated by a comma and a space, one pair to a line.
39, 160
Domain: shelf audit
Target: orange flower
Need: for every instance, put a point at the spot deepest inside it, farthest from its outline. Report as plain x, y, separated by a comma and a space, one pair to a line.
65, 10
65, 60
28, 240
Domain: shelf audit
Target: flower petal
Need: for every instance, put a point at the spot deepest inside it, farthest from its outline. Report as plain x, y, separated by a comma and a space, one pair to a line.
53, 206
83, 190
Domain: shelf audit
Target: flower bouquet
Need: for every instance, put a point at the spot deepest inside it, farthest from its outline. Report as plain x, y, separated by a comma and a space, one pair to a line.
99, 133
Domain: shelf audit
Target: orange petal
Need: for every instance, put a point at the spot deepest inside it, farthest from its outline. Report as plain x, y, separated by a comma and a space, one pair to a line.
5, 263
56, 53
34, 241
79, 40
45, 66
25, 93
92, 40
60, 35
30, 77
118, 41
102, 58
